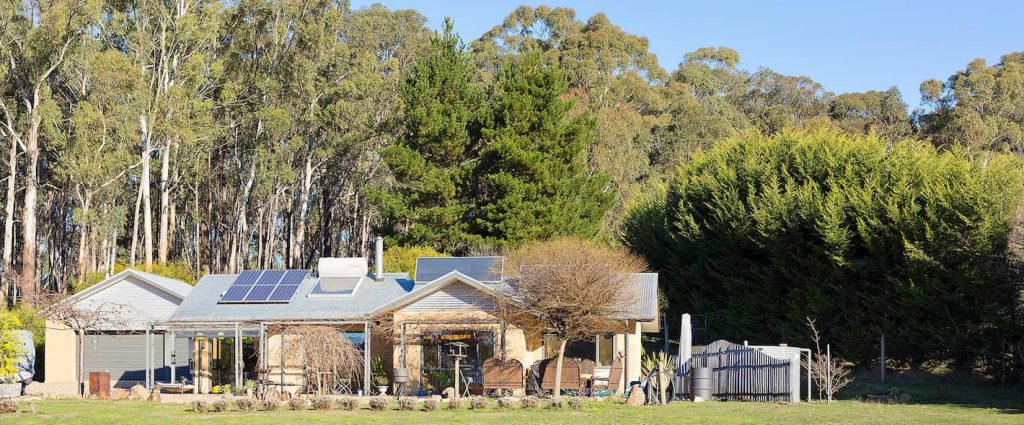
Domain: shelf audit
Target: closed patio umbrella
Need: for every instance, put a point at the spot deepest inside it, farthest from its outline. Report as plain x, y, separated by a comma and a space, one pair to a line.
683, 359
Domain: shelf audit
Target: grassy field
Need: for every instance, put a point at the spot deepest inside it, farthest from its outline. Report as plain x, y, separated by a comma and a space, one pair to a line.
68, 412
933, 402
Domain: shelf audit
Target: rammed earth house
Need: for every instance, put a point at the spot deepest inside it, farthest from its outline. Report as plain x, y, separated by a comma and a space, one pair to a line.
231, 328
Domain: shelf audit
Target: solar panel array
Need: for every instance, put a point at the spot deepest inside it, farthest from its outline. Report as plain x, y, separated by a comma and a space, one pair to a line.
483, 269
264, 286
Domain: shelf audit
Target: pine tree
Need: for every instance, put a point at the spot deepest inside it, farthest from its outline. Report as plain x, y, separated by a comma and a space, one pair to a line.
533, 179
431, 162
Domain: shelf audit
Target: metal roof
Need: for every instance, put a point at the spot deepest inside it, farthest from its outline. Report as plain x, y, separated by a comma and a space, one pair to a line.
371, 297
202, 305
645, 305
173, 287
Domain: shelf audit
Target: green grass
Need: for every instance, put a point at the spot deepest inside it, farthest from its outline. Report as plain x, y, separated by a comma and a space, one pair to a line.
66, 412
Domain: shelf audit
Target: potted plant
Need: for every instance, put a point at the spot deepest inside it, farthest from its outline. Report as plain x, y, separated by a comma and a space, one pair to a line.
250, 385
379, 375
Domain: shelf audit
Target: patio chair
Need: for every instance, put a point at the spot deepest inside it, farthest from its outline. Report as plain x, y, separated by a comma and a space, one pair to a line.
614, 377
502, 375
570, 375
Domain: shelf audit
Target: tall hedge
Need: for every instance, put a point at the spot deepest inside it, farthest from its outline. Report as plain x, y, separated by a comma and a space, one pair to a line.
761, 232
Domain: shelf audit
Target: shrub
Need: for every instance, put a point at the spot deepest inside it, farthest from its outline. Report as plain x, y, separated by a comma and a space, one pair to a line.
348, 403
477, 403
379, 403
200, 406
576, 403
8, 406
531, 402
10, 344
556, 403
221, 405
297, 403
246, 404
322, 403
454, 404
407, 403
271, 404
430, 404
506, 402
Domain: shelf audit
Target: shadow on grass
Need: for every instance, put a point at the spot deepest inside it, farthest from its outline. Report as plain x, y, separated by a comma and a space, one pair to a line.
966, 392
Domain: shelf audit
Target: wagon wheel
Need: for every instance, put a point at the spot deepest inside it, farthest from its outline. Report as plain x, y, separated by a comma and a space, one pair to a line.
653, 392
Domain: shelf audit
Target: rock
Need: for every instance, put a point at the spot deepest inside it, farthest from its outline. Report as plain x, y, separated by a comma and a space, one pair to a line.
119, 394
698, 399
449, 393
138, 392
436, 397
636, 396
154, 396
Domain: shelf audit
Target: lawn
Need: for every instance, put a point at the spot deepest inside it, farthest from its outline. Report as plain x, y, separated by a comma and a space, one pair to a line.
68, 412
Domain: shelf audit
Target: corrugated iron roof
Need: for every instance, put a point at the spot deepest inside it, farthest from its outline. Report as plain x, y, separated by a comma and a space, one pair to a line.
203, 303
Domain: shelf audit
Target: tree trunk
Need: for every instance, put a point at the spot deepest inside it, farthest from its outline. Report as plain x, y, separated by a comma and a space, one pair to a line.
28, 220
147, 211
165, 173
135, 229
12, 175
300, 227
558, 367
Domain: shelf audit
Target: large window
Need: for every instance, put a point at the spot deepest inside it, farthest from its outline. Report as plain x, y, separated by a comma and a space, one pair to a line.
605, 350
601, 349
438, 368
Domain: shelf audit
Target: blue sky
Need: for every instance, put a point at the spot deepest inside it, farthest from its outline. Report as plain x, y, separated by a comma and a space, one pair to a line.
846, 46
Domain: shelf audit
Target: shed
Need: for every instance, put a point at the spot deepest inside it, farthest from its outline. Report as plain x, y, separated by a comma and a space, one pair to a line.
134, 306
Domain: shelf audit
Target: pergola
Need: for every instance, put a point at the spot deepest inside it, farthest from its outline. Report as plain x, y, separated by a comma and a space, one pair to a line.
260, 329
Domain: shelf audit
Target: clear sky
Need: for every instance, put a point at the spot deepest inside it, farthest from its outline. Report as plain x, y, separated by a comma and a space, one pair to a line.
844, 45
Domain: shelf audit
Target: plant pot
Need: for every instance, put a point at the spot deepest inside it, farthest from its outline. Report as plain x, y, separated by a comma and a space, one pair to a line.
382, 389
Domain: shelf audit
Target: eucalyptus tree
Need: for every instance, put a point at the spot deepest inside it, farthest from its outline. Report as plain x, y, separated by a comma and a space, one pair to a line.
879, 112
95, 150
978, 106
173, 44
38, 37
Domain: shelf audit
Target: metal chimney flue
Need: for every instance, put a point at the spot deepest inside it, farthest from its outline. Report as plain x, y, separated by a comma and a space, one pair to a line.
378, 259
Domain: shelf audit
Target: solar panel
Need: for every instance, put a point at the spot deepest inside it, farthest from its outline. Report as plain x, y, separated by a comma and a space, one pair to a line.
483, 269
241, 286
257, 286
288, 285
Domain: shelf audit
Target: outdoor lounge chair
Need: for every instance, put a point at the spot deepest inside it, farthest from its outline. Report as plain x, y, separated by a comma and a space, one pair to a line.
570, 375
611, 384
502, 375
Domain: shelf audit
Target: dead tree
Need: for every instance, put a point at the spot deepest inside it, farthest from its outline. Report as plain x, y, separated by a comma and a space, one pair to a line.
827, 372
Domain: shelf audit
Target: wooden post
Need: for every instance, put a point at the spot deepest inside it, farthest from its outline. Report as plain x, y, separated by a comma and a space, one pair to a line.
174, 360
149, 358
366, 358
238, 357
457, 378
882, 361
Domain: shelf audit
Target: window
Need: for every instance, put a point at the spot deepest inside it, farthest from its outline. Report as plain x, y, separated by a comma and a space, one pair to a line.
605, 349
